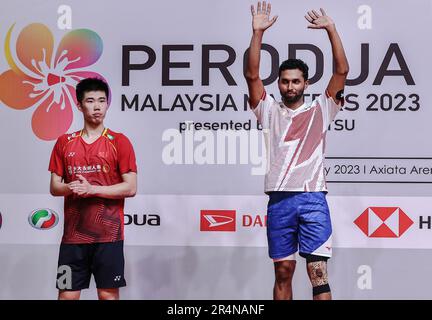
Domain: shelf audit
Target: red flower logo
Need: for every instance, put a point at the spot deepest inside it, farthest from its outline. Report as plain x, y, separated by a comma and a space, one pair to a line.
45, 81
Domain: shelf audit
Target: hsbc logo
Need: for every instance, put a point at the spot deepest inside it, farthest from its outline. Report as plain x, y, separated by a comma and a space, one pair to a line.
218, 220
383, 222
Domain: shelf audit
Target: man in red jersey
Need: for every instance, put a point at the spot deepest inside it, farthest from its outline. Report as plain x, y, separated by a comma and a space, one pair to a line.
95, 170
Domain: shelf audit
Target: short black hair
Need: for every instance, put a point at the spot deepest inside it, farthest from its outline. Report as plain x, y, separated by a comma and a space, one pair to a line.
291, 64
90, 84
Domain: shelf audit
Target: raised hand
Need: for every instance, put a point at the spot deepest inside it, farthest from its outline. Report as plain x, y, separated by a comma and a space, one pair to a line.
319, 21
261, 19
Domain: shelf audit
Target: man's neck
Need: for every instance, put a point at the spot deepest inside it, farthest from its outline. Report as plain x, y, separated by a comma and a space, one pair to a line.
93, 131
294, 105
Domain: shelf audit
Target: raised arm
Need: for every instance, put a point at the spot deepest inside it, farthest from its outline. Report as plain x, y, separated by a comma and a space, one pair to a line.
260, 22
337, 82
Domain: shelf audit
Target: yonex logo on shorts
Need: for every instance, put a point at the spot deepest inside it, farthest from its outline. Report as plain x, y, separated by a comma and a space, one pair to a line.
218, 220
117, 278
383, 222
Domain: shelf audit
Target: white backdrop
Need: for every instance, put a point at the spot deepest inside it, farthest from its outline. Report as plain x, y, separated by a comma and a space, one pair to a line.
199, 216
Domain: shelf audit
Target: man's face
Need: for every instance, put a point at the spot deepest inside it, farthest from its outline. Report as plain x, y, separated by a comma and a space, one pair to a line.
94, 106
292, 85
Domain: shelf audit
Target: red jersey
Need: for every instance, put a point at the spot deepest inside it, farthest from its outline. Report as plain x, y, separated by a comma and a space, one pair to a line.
93, 219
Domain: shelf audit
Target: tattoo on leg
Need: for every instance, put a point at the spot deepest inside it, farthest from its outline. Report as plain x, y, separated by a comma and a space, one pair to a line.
318, 273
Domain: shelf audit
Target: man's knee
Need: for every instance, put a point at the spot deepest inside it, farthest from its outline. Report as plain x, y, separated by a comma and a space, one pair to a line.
69, 295
284, 270
108, 294
317, 271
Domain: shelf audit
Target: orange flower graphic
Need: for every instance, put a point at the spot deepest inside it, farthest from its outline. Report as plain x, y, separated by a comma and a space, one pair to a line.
38, 78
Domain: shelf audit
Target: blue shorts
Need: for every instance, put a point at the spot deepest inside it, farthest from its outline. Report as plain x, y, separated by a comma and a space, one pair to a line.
298, 221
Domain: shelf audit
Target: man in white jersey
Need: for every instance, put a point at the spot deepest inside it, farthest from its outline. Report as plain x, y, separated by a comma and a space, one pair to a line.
298, 217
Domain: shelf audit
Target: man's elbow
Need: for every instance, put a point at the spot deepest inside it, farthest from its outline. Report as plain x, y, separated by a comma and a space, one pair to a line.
56, 194
342, 70
131, 192
53, 192
251, 77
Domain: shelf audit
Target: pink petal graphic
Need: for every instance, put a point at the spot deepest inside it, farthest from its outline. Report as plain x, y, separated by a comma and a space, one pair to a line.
79, 48
50, 121
15, 91
72, 94
35, 42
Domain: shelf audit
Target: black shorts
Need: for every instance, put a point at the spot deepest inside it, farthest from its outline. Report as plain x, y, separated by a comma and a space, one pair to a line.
77, 262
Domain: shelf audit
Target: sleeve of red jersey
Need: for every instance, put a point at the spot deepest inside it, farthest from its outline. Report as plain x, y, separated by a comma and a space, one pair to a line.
126, 156
56, 164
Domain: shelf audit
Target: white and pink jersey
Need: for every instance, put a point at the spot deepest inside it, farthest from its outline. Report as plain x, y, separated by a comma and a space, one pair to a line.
295, 142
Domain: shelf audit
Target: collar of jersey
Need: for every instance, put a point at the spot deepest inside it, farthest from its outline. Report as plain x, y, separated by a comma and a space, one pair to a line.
303, 107
104, 132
